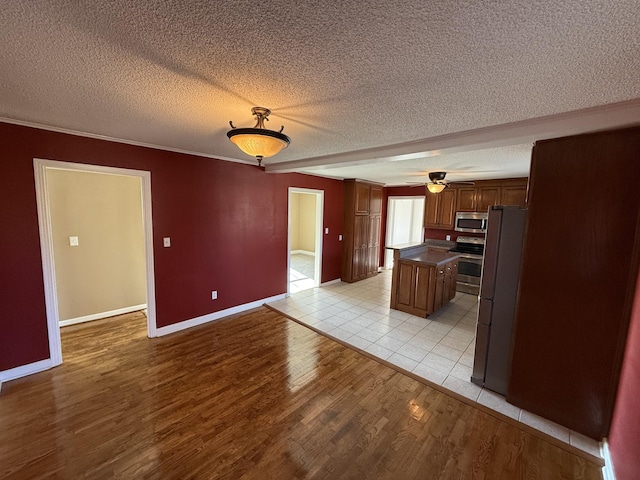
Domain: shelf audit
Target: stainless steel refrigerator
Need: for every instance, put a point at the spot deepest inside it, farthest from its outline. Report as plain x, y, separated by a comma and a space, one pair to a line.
498, 296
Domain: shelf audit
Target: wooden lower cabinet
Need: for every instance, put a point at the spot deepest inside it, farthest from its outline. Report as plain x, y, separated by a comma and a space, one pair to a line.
422, 289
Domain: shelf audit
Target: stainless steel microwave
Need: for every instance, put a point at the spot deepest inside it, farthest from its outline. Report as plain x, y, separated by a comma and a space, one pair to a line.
471, 222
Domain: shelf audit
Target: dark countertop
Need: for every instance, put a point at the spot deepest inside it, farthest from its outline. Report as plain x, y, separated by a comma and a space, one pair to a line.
427, 243
439, 243
432, 258
401, 246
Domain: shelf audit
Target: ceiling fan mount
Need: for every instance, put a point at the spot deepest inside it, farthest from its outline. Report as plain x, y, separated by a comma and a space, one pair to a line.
437, 177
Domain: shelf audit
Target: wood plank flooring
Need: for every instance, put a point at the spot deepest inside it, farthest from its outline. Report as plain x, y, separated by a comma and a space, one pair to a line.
253, 396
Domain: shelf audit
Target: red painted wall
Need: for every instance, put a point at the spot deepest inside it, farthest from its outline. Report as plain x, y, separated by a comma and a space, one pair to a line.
227, 223
624, 439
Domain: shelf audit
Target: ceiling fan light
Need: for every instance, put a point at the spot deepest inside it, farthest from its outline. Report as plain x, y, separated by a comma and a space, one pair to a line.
436, 187
259, 141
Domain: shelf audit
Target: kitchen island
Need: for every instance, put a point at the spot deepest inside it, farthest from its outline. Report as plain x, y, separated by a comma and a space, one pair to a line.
423, 279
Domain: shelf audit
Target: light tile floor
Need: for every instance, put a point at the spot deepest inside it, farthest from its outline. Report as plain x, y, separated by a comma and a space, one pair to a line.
301, 271
439, 348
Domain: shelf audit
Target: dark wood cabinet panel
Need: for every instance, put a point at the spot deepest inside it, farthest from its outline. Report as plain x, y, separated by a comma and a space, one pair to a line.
440, 209
447, 208
375, 203
405, 285
571, 326
466, 199
362, 192
486, 193
421, 281
431, 210
362, 229
487, 197
514, 195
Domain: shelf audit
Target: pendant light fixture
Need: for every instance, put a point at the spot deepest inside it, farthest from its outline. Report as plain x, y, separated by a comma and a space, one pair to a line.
258, 141
436, 187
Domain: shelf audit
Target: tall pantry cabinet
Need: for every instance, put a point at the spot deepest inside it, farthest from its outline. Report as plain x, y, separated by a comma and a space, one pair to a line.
362, 224
578, 275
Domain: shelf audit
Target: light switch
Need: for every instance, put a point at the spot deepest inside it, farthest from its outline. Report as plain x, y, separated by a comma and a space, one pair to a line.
73, 241
340, 238
326, 231
166, 241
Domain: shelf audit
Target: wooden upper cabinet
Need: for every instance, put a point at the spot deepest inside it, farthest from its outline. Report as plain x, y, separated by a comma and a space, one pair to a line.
466, 200
487, 197
431, 210
447, 208
514, 195
362, 198
486, 193
375, 202
440, 209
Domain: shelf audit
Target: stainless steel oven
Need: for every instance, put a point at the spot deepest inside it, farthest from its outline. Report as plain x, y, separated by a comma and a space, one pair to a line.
471, 251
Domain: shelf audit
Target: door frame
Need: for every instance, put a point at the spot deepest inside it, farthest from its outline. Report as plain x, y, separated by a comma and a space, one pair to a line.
46, 244
317, 270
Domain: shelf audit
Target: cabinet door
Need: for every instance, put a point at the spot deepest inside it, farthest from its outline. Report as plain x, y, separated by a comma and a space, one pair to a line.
362, 198
514, 196
373, 259
374, 230
361, 231
447, 208
360, 261
439, 290
431, 210
375, 200
466, 200
405, 284
487, 197
421, 282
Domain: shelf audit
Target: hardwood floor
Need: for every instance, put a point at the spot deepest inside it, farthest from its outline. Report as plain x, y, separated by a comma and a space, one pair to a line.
254, 396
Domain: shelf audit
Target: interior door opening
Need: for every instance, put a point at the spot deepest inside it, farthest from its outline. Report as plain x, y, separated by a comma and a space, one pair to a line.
304, 257
64, 250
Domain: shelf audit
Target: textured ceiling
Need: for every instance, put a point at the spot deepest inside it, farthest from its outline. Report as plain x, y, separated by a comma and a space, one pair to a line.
342, 77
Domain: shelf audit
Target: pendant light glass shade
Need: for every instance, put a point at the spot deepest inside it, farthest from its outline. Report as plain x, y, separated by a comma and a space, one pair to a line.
258, 141
436, 187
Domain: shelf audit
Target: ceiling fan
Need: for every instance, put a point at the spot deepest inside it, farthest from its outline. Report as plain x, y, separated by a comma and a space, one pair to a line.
438, 183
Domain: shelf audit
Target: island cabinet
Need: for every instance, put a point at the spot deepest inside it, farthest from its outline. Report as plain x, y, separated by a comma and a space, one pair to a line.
423, 280
362, 225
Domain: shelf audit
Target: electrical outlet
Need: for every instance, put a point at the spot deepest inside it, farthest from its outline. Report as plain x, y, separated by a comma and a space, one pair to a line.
339, 238
73, 241
214, 295
326, 231
166, 241
448, 238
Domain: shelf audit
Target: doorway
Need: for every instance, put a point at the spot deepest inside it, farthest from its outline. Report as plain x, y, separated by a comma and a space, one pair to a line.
43, 192
304, 254
405, 217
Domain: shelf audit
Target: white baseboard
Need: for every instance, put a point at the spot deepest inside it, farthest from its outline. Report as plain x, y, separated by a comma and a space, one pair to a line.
98, 316
210, 317
303, 252
24, 370
607, 470
331, 282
